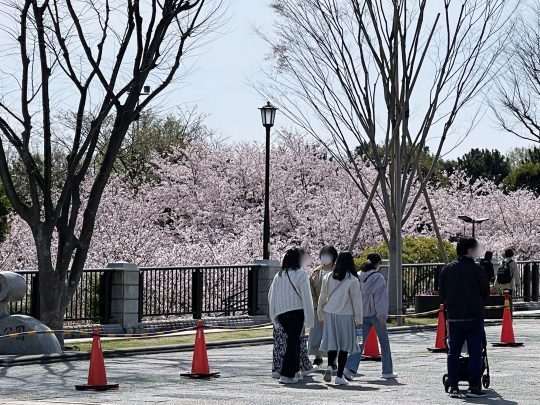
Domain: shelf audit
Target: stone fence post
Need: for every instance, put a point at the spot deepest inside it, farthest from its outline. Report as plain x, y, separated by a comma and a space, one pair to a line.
125, 294
267, 271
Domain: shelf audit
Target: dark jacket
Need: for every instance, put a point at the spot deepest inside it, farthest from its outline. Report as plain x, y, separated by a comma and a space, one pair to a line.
464, 287
489, 269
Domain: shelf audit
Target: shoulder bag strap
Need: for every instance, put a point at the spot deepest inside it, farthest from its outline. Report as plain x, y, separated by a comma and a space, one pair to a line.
290, 281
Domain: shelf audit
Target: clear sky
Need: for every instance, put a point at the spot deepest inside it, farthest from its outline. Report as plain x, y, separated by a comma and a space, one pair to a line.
219, 83
219, 86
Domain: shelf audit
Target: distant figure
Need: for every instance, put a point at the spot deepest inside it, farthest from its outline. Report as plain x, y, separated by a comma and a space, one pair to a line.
464, 288
508, 278
375, 305
487, 265
291, 306
328, 256
340, 305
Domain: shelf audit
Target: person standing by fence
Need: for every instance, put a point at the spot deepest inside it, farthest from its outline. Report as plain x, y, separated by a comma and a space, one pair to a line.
328, 256
290, 307
375, 307
464, 288
508, 278
487, 265
340, 306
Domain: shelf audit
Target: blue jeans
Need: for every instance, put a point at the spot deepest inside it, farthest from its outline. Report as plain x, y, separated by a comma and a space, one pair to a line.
460, 332
382, 333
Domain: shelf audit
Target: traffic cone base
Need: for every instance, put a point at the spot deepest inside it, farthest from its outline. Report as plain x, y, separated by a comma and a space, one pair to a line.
200, 376
501, 344
106, 387
435, 350
440, 338
97, 377
371, 347
199, 366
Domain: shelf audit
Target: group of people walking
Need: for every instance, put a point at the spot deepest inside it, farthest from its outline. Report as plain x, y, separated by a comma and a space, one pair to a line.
337, 304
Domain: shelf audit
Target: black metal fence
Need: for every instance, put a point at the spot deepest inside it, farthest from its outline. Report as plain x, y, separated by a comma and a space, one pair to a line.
423, 278
90, 303
215, 291
197, 290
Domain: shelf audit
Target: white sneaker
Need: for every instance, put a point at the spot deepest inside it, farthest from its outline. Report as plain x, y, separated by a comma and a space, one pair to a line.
310, 371
275, 374
328, 374
341, 381
298, 376
287, 380
389, 376
348, 375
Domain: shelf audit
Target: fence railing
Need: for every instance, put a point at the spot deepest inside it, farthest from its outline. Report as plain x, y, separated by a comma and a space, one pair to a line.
194, 291
419, 279
208, 290
424, 278
163, 292
91, 301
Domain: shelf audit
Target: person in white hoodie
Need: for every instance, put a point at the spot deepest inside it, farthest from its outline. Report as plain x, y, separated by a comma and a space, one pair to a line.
340, 308
375, 305
291, 307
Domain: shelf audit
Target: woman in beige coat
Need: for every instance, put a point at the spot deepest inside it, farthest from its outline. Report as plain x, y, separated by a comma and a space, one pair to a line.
328, 256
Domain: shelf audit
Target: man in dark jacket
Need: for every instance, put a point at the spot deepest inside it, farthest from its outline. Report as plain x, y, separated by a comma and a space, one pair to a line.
464, 287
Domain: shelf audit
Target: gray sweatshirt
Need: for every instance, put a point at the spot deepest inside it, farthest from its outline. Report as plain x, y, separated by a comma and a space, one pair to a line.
374, 294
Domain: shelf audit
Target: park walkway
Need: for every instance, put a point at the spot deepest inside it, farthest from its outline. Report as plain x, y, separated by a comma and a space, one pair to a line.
246, 378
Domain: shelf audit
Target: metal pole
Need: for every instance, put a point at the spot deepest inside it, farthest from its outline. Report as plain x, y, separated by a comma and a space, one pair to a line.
473, 227
397, 224
266, 225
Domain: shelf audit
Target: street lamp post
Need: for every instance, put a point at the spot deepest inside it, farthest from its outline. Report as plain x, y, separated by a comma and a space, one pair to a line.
473, 221
268, 114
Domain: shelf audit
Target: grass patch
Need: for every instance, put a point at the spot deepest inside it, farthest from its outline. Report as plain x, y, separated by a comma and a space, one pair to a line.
175, 340
415, 321
211, 337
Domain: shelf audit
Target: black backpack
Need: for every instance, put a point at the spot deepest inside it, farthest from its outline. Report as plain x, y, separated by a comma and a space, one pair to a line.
504, 274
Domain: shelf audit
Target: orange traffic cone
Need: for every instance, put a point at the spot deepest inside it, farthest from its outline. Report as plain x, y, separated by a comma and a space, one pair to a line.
507, 332
440, 339
97, 377
371, 347
199, 365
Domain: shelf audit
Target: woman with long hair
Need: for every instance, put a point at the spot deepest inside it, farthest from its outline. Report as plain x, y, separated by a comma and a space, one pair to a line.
375, 306
291, 307
340, 306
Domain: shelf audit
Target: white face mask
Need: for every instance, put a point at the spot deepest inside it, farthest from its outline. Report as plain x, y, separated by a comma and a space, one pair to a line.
326, 259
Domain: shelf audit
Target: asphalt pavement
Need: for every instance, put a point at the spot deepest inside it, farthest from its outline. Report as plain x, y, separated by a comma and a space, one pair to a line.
245, 377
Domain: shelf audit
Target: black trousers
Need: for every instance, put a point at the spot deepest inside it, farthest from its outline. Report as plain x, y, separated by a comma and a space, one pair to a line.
293, 324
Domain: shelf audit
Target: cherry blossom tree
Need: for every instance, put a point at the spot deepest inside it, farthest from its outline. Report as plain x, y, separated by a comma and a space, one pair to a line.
207, 209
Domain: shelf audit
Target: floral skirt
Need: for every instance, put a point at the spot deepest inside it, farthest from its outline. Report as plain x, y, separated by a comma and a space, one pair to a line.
280, 346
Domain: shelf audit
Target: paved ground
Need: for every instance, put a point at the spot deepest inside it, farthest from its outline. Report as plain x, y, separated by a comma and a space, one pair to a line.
246, 378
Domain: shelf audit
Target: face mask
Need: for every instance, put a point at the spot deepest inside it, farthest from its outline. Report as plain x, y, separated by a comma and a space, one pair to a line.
326, 260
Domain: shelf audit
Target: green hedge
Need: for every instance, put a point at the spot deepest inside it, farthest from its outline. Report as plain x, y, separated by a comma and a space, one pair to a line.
416, 249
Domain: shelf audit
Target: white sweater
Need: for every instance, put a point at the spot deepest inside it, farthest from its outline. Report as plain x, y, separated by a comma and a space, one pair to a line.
346, 298
283, 298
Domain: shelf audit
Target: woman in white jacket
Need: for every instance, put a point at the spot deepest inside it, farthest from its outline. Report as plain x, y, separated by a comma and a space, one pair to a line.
291, 307
340, 306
